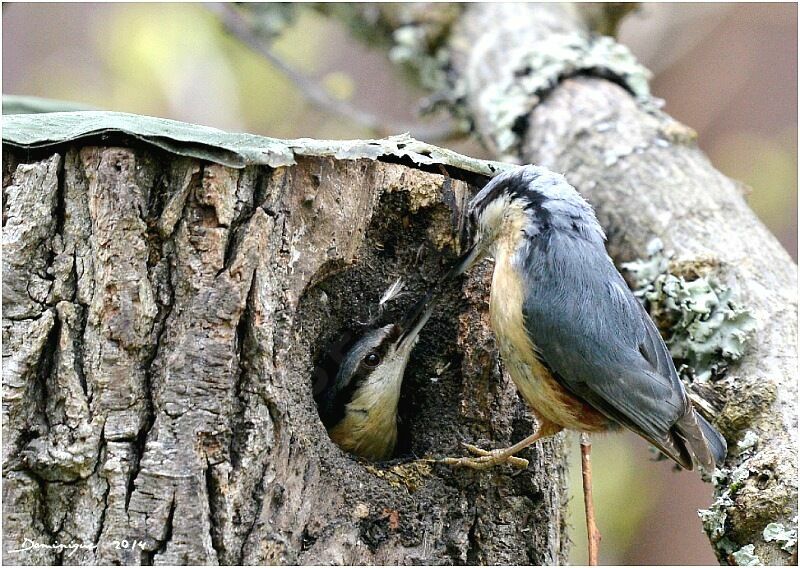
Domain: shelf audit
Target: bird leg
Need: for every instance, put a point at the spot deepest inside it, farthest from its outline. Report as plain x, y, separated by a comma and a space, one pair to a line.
487, 459
491, 458
592, 532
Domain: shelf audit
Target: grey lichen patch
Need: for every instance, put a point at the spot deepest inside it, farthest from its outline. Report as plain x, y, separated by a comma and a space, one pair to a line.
536, 68
748, 442
416, 48
746, 556
706, 325
715, 518
785, 536
737, 477
412, 47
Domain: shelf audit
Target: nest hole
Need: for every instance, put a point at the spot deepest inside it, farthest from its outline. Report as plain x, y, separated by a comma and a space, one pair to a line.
344, 303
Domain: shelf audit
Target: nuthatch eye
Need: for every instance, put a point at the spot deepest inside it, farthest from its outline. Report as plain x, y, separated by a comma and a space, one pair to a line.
579, 346
359, 408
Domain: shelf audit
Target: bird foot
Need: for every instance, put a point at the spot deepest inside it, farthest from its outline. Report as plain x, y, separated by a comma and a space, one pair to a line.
487, 459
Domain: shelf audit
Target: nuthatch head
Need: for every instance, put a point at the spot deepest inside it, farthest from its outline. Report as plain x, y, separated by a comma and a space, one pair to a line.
359, 408
581, 349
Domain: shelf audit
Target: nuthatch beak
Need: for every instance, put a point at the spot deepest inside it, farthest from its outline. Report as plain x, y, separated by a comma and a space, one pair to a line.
359, 409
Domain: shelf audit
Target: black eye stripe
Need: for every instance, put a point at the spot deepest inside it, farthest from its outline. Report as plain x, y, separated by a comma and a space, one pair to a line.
498, 189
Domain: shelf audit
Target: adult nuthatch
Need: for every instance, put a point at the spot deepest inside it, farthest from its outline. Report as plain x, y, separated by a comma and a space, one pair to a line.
580, 348
359, 408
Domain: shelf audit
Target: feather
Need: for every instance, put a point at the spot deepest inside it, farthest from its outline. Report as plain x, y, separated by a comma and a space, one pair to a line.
605, 350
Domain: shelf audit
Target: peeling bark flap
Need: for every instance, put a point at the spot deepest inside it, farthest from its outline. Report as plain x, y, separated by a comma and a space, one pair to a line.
232, 149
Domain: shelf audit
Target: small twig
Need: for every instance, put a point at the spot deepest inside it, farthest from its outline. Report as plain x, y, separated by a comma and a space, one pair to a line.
238, 26
592, 532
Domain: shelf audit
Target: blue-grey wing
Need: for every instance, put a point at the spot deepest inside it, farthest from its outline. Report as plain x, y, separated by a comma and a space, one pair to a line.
598, 341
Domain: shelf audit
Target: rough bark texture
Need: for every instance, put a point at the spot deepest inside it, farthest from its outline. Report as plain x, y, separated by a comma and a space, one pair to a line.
162, 319
647, 179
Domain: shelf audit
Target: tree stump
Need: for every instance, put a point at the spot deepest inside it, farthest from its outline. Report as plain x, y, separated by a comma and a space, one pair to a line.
162, 320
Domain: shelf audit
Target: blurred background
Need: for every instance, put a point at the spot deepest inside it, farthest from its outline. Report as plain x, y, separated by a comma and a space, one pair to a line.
727, 70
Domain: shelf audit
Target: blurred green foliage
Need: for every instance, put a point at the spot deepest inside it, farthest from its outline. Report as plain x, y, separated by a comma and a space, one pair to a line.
176, 61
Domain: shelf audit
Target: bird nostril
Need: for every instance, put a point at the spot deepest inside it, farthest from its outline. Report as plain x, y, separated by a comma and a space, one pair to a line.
394, 332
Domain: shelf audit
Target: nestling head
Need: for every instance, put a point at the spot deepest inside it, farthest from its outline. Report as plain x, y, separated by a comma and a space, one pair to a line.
359, 409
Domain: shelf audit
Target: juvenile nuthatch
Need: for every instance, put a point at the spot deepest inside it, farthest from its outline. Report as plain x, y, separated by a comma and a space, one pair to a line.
579, 346
359, 408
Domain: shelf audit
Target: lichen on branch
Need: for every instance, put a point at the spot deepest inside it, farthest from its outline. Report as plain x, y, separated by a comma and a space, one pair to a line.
705, 324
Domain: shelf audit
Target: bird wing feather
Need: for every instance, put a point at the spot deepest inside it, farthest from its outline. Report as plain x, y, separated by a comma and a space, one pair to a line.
600, 343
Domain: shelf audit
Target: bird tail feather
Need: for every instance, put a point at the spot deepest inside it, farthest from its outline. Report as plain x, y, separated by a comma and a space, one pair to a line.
702, 439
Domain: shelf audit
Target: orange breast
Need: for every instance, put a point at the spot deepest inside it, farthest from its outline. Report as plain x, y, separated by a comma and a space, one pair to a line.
538, 387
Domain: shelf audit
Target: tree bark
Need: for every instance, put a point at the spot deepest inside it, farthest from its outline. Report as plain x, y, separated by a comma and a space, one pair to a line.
162, 320
644, 174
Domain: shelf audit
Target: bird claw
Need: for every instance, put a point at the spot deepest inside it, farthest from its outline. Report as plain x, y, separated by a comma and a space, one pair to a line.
487, 459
